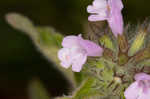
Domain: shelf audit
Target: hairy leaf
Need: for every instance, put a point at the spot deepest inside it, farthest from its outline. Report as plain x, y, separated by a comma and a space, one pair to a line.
47, 41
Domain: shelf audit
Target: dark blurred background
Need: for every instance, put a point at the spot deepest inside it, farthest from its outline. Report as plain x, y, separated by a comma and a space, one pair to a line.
20, 62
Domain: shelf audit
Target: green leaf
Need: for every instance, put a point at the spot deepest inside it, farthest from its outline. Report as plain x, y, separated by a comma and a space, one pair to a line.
107, 75
48, 36
100, 64
107, 42
37, 90
86, 89
47, 41
145, 62
137, 43
21, 23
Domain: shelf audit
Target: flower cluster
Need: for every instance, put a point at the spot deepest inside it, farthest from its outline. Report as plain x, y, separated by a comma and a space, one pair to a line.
76, 50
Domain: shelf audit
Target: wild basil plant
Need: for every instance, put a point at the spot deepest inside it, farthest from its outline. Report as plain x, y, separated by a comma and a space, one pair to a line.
113, 65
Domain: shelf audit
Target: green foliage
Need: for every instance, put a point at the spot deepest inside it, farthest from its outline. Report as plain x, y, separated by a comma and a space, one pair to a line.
105, 77
100, 65
37, 90
145, 62
46, 40
79, 77
137, 43
85, 90
48, 36
123, 58
116, 69
107, 42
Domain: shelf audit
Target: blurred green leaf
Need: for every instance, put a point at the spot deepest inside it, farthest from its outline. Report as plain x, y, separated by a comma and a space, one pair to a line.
46, 40
86, 89
48, 36
37, 90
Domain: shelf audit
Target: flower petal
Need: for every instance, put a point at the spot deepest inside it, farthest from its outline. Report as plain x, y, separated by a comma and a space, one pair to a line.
99, 4
92, 48
116, 23
145, 95
91, 9
117, 4
96, 18
65, 58
78, 62
70, 41
115, 19
97, 7
133, 91
98, 10
142, 76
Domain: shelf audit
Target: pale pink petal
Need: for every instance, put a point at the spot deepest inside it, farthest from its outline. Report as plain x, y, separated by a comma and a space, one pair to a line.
65, 58
115, 5
91, 48
96, 18
79, 56
99, 4
70, 41
118, 3
145, 95
77, 50
78, 62
91, 9
97, 10
133, 91
115, 19
142, 76
65, 64
140, 89
116, 23
77, 67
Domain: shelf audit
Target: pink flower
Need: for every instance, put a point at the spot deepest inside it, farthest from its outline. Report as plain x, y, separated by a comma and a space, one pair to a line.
140, 89
75, 51
109, 10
